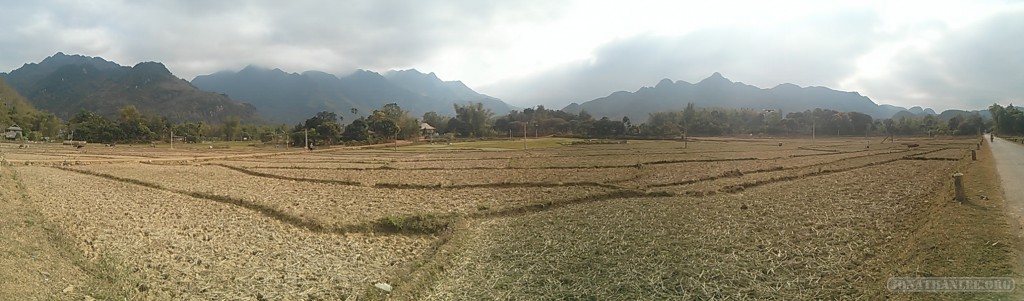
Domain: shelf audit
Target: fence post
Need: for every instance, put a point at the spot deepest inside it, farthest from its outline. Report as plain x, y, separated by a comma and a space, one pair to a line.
958, 184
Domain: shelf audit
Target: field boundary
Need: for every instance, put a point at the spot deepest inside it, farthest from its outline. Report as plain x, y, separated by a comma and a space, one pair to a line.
386, 225
424, 186
538, 207
739, 173
636, 165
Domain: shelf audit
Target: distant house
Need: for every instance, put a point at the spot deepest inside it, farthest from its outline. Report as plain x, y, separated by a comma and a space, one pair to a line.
13, 133
426, 130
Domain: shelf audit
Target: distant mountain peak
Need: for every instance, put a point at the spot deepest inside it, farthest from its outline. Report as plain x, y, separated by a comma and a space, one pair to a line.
297, 96
59, 59
152, 65
718, 91
664, 83
919, 110
253, 69
61, 55
364, 72
65, 84
787, 86
411, 73
715, 78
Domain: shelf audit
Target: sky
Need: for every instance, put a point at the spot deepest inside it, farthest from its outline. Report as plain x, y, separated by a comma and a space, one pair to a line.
938, 54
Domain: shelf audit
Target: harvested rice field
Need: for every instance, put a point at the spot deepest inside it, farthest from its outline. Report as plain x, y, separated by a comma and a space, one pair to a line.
709, 219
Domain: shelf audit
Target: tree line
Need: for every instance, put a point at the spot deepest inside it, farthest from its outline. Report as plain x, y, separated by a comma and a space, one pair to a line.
35, 124
1009, 121
473, 120
823, 122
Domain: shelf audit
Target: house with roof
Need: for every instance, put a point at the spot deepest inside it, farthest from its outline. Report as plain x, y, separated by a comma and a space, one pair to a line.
426, 129
13, 133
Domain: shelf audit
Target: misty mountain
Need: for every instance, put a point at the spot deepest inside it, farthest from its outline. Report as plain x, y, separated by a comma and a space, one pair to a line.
293, 97
917, 112
445, 91
920, 111
65, 84
718, 91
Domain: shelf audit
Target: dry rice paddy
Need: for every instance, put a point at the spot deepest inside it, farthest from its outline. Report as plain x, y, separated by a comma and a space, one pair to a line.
654, 220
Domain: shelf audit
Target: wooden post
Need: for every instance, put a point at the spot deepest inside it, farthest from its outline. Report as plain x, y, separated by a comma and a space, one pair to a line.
974, 156
958, 186
979, 145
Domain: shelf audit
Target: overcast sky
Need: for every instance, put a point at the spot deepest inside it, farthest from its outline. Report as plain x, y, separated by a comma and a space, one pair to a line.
936, 54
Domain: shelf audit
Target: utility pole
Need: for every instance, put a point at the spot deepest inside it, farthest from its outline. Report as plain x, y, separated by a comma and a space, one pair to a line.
524, 135
172, 138
305, 132
812, 132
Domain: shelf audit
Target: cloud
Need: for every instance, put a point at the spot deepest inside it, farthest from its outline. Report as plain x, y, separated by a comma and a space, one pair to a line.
818, 50
198, 37
553, 52
966, 68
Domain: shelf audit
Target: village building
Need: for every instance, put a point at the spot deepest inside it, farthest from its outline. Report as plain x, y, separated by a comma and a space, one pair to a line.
13, 133
426, 130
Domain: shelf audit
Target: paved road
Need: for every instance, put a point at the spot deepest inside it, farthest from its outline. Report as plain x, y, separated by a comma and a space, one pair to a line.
1010, 165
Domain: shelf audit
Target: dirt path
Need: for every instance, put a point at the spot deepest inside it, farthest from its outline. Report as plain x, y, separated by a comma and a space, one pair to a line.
1010, 165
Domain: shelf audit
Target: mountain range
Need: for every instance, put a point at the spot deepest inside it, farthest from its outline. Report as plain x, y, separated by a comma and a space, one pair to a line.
292, 97
66, 84
718, 91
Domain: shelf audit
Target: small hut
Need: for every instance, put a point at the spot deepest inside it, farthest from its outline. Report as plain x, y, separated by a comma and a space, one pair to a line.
13, 133
426, 130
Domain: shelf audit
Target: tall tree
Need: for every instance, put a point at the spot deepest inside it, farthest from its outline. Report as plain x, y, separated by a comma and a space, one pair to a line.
440, 123
383, 128
232, 128
133, 125
357, 131
473, 120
